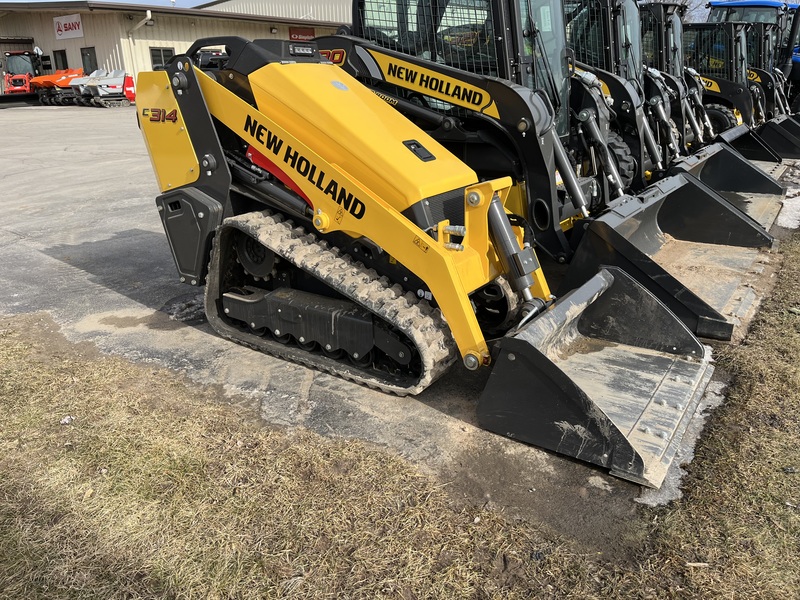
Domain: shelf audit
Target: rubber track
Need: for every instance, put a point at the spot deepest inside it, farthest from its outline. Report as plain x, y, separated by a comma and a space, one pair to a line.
415, 318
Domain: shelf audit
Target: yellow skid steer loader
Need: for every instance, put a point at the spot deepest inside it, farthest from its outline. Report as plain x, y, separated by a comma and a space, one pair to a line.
331, 231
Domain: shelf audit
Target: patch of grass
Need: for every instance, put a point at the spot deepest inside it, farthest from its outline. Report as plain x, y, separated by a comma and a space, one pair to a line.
741, 513
736, 532
158, 489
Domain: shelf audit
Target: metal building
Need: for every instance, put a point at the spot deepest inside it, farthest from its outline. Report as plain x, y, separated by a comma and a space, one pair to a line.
92, 35
335, 11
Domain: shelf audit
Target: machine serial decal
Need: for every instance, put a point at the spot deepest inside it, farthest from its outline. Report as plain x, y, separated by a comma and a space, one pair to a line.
160, 115
305, 168
435, 84
388, 99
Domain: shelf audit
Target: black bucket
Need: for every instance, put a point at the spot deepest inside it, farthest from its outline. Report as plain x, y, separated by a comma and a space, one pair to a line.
722, 168
736, 179
782, 134
686, 244
749, 144
608, 376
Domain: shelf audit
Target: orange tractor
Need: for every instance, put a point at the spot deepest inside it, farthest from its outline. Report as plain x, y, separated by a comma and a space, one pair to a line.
20, 67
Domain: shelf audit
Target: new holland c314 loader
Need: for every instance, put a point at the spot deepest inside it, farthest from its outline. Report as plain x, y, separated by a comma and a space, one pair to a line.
330, 231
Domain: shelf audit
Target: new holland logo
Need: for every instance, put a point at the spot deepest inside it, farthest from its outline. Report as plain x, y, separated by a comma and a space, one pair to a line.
306, 169
710, 84
432, 83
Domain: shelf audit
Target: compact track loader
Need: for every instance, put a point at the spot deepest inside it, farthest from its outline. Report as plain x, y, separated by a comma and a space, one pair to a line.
607, 36
478, 95
55, 89
331, 231
83, 96
113, 90
718, 51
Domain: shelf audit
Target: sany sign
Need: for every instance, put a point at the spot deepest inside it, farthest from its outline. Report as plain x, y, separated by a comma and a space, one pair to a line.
68, 27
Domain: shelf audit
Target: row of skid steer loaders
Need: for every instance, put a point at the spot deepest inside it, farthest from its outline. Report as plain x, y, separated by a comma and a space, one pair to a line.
659, 108
736, 91
669, 46
381, 203
742, 63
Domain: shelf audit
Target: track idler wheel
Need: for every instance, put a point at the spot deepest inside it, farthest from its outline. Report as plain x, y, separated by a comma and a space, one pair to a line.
254, 257
363, 361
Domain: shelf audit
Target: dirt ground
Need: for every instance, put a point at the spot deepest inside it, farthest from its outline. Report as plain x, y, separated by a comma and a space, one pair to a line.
123, 480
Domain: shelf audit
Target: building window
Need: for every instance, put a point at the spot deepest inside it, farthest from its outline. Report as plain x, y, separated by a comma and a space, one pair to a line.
160, 56
60, 57
89, 60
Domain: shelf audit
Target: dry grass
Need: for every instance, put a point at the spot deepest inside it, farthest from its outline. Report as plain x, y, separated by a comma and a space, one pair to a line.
741, 513
159, 489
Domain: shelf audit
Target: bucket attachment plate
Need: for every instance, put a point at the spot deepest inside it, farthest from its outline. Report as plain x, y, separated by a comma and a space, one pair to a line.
677, 226
781, 134
609, 376
748, 143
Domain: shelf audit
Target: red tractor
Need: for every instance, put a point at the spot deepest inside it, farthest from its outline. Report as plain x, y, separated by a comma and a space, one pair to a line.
21, 66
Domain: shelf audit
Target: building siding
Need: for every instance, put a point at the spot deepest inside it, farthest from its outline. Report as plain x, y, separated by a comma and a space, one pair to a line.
101, 31
335, 11
118, 48
180, 33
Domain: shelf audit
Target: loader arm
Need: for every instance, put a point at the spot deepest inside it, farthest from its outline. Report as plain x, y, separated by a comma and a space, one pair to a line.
488, 122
